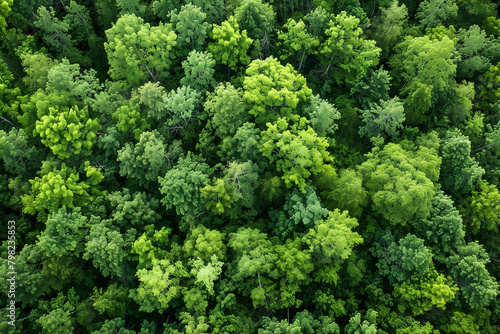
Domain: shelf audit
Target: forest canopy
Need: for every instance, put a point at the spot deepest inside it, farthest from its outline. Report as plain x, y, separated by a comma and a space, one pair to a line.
249, 166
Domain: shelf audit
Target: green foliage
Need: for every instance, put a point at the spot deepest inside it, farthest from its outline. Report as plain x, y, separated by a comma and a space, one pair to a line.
467, 267
53, 31
331, 242
68, 132
399, 261
383, 119
230, 46
297, 43
432, 13
443, 231
373, 88
145, 161
359, 324
59, 188
207, 274
399, 190
388, 27
482, 209
273, 90
5, 9
128, 119
63, 233
199, 71
347, 193
297, 153
322, 115
191, 28
346, 56
256, 17
158, 285
17, 155
459, 171
182, 184
300, 212
138, 52
182, 108
424, 292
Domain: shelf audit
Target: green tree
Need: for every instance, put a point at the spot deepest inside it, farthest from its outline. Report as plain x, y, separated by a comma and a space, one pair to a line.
297, 43
78, 19
203, 243
54, 32
129, 120
63, 233
331, 242
138, 52
5, 9
297, 152
399, 189
191, 28
300, 212
182, 108
158, 285
399, 261
199, 71
387, 28
60, 188
373, 88
145, 161
181, 185
383, 119
322, 115
256, 17
468, 269
345, 54
363, 324
432, 13
482, 208
64, 132
136, 209
130, 7
443, 231
106, 247
230, 46
18, 155
273, 90
425, 291
459, 171
347, 193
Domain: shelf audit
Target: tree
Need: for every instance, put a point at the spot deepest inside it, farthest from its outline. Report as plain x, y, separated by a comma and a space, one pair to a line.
158, 285
129, 120
347, 193
207, 274
192, 30
54, 32
182, 108
145, 161
297, 43
64, 132
322, 115
425, 291
18, 156
482, 209
443, 231
399, 261
427, 67
300, 212
331, 242
182, 184
199, 71
256, 17
136, 209
459, 171
362, 324
138, 52
5, 9
106, 247
345, 53
399, 190
8, 92
273, 90
63, 234
230, 46
298, 153
204, 243
60, 188
433, 13
383, 119
130, 7
373, 88
388, 27
468, 270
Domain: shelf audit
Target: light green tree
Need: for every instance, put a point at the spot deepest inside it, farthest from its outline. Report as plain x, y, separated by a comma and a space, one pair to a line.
297, 152
297, 43
199, 71
256, 17
68, 132
383, 119
191, 28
